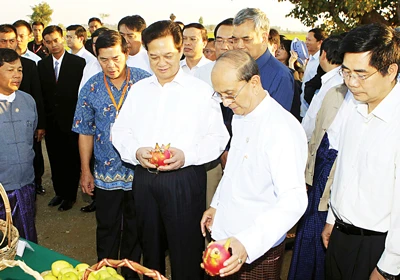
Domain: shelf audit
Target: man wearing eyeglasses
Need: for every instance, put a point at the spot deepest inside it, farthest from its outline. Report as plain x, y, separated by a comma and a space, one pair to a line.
250, 34
261, 194
363, 224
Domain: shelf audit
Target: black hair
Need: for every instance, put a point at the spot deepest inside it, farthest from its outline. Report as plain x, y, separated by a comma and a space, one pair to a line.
7, 28
381, 41
331, 47
99, 31
21, 22
52, 28
161, 29
37, 23
7, 56
110, 38
80, 31
228, 21
135, 22
95, 19
319, 34
199, 26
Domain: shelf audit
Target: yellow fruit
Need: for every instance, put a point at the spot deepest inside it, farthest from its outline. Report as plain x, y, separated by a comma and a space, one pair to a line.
111, 270
92, 276
58, 265
102, 274
81, 267
68, 276
68, 269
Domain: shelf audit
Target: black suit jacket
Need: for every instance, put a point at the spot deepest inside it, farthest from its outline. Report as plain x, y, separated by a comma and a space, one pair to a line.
30, 84
60, 96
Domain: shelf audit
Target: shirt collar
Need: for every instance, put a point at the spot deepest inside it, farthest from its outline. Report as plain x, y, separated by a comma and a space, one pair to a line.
386, 109
264, 58
59, 60
8, 98
178, 79
315, 56
326, 77
203, 61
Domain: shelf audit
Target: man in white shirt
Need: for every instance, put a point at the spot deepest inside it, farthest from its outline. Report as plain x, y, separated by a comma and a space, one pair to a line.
131, 27
262, 193
170, 107
314, 40
24, 32
363, 224
194, 42
76, 38
330, 61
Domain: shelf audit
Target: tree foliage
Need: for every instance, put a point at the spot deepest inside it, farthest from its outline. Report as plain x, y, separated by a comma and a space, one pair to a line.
343, 15
172, 17
201, 21
41, 12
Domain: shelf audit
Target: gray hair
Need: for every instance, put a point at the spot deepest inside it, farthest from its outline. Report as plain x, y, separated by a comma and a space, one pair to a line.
246, 66
260, 19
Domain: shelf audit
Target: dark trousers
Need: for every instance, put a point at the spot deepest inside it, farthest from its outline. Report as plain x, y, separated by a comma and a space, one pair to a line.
169, 207
352, 257
62, 148
38, 161
116, 234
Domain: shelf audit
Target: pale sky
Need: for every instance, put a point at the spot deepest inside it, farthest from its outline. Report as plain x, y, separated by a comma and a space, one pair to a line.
69, 12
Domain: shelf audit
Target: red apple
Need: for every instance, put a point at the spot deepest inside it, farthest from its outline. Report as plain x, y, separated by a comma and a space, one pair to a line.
214, 257
160, 154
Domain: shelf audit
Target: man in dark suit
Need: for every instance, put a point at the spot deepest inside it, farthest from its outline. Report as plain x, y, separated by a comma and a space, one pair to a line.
31, 85
60, 74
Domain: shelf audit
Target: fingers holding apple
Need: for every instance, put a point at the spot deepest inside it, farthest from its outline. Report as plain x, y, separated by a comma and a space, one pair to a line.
176, 161
143, 155
235, 262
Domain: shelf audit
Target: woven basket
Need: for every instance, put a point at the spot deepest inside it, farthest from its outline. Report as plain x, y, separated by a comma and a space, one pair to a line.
124, 263
9, 231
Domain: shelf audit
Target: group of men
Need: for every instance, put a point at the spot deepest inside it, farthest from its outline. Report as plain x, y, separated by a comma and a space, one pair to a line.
131, 89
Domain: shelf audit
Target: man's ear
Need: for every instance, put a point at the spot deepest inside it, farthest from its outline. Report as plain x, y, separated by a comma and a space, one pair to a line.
392, 71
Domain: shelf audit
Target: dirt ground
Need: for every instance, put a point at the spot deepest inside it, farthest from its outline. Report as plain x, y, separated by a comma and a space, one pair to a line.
73, 233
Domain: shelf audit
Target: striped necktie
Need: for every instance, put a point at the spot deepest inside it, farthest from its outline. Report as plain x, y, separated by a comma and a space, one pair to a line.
56, 69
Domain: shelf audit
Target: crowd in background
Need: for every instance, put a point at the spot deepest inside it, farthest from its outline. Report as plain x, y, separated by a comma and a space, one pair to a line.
266, 133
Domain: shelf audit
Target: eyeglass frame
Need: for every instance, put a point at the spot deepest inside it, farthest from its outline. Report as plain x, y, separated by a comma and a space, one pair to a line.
231, 98
358, 78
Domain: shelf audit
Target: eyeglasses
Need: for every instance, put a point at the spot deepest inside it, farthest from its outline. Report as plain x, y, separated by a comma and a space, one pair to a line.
231, 98
221, 41
358, 77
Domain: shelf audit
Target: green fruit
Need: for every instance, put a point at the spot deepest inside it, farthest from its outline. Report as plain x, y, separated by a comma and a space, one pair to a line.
58, 265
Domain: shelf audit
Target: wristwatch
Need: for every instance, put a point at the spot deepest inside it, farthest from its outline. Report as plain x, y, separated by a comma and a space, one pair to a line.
387, 276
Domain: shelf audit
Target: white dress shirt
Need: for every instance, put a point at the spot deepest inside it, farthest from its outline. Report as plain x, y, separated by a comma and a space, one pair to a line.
309, 73
182, 113
9, 98
140, 60
32, 56
328, 80
262, 193
204, 72
85, 54
203, 61
91, 69
366, 192
59, 64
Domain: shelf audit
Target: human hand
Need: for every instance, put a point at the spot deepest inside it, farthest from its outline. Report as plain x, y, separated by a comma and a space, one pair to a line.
87, 182
176, 161
235, 262
39, 134
292, 59
224, 159
375, 275
143, 155
326, 234
207, 220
